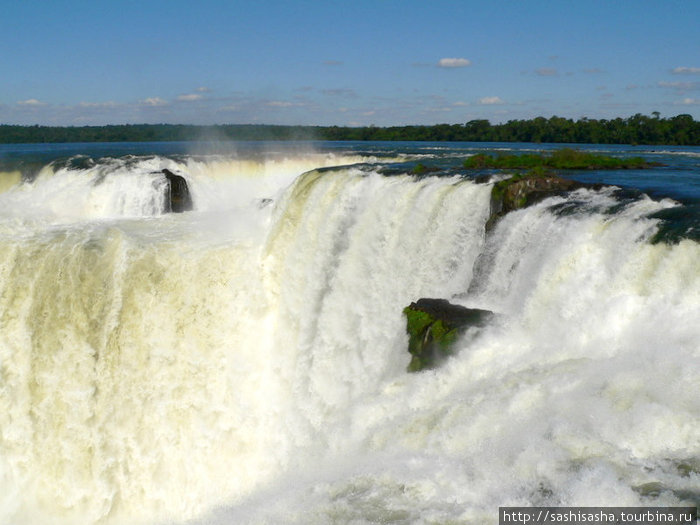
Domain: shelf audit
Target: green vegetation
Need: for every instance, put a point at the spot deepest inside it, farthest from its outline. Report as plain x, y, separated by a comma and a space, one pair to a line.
433, 327
422, 169
422, 328
419, 169
499, 189
638, 129
536, 179
561, 159
152, 133
525, 189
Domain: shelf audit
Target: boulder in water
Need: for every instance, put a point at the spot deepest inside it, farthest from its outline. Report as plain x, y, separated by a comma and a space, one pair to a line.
177, 193
521, 191
433, 326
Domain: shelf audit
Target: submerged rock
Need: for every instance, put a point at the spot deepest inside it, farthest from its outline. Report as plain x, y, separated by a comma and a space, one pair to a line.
654, 489
521, 191
177, 194
433, 326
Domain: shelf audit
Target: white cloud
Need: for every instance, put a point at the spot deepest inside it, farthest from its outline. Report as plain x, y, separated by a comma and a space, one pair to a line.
340, 92
284, 104
203, 89
454, 62
460, 103
491, 100
280, 104
689, 101
190, 97
31, 102
683, 86
154, 101
687, 70
109, 104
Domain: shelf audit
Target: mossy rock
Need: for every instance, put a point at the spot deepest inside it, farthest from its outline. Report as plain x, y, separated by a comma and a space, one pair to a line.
422, 169
433, 326
523, 190
654, 489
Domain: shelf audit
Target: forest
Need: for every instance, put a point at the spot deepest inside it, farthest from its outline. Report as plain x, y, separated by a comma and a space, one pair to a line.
637, 129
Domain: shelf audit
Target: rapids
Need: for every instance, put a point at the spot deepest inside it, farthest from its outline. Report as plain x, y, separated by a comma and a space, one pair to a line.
246, 362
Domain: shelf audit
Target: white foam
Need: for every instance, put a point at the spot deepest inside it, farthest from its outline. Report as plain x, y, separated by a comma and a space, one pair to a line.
253, 359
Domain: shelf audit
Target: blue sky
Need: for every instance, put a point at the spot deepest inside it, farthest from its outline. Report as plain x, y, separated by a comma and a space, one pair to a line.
381, 62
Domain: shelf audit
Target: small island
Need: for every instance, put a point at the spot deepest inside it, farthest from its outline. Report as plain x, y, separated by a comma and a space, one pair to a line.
536, 178
560, 159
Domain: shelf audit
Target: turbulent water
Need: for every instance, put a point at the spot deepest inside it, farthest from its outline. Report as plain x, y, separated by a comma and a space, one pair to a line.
245, 362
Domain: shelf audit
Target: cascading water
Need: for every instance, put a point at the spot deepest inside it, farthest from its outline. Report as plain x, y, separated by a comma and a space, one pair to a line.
251, 354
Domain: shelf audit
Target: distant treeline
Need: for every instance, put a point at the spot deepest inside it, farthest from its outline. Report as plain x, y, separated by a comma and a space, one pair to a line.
638, 129
153, 133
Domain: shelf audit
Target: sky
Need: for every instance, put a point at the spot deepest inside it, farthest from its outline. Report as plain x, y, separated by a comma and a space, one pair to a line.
346, 63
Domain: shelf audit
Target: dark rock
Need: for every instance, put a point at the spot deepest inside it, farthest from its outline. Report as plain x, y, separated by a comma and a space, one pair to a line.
521, 191
433, 326
177, 194
654, 489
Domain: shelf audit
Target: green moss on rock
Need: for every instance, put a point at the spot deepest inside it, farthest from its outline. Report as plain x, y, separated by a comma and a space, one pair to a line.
433, 326
525, 189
